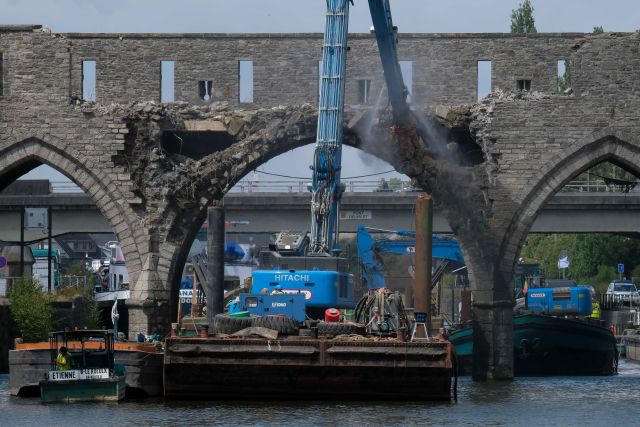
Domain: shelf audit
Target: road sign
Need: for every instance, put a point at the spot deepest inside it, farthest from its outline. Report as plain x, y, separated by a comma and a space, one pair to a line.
3, 262
620, 268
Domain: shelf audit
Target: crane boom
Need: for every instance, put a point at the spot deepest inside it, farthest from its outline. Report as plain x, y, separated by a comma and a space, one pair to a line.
326, 189
387, 39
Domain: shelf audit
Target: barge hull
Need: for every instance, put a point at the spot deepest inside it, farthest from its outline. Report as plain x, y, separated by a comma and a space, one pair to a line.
312, 369
550, 346
112, 389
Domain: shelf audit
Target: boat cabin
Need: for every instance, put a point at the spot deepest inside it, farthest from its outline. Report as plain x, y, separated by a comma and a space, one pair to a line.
88, 349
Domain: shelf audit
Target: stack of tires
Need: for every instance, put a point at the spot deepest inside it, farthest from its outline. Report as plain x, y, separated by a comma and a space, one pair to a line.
338, 328
225, 324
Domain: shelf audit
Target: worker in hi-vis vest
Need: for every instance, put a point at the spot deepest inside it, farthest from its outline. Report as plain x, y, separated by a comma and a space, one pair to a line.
63, 359
595, 312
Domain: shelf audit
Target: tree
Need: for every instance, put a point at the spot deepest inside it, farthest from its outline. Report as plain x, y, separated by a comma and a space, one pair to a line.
522, 21
592, 257
395, 184
598, 30
30, 310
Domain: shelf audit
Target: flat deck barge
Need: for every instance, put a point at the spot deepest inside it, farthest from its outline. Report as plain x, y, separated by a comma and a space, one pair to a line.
296, 368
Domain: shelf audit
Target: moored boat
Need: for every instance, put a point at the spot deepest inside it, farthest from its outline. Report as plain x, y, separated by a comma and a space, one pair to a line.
82, 368
30, 362
546, 345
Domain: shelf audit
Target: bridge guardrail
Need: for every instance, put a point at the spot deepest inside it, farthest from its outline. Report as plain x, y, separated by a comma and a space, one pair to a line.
351, 186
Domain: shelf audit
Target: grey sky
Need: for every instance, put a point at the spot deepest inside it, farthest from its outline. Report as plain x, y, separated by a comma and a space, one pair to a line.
308, 16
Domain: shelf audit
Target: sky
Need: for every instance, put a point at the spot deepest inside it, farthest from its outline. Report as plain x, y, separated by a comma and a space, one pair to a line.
222, 16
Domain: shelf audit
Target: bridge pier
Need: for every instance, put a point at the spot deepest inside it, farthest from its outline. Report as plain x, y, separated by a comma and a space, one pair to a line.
492, 312
149, 304
492, 342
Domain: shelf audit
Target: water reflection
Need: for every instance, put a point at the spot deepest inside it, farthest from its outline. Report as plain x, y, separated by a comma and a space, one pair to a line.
561, 401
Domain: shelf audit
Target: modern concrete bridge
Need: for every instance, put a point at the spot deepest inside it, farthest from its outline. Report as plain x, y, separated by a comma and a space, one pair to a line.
267, 212
152, 160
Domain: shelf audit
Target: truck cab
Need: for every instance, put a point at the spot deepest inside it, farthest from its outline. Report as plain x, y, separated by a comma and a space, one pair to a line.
623, 290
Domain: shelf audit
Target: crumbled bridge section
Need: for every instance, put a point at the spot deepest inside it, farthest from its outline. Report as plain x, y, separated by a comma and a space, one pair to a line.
181, 158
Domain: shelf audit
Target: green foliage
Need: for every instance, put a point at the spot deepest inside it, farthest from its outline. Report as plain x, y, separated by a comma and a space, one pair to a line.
602, 278
598, 30
92, 319
30, 310
564, 82
522, 21
592, 257
395, 184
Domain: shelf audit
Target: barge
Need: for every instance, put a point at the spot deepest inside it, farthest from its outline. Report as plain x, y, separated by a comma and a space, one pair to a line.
298, 368
546, 345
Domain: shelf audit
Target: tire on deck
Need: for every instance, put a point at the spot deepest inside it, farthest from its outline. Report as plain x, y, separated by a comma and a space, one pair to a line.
338, 328
283, 324
225, 324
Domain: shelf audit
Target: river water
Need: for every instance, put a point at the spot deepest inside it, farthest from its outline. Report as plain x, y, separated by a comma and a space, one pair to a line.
559, 401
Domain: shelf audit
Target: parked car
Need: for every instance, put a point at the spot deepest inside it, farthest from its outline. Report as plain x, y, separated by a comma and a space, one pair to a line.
625, 291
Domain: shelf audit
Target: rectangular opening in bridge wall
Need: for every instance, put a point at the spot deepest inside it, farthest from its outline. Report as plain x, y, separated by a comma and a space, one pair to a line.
564, 76
89, 80
523, 84
364, 89
1, 74
406, 68
205, 90
484, 78
246, 81
167, 81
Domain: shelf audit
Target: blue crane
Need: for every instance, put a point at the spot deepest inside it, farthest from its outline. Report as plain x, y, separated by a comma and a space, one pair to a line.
326, 189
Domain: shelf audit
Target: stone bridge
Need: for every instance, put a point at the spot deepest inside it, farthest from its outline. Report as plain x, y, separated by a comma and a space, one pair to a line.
153, 168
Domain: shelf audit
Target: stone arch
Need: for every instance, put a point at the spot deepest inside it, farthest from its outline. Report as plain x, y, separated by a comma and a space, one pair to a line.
174, 252
22, 156
605, 145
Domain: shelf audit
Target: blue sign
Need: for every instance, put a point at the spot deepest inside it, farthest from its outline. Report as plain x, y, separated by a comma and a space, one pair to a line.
3, 262
620, 268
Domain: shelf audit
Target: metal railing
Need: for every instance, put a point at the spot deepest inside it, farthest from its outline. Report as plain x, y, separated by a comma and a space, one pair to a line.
64, 187
352, 186
292, 186
77, 282
597, 186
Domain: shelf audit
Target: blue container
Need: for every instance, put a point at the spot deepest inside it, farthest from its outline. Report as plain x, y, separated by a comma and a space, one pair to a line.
290, 305
322, 289
574, 300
